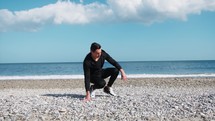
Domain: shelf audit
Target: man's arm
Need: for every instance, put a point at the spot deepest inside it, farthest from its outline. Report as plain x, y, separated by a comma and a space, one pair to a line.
87, 80
116, 64
123, 75
112, 61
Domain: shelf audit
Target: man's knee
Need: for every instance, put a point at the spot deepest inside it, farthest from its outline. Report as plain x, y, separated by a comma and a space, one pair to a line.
101, 84
116, 71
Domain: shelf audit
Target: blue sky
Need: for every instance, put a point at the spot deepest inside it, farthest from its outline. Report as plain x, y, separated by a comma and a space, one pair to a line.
129, 30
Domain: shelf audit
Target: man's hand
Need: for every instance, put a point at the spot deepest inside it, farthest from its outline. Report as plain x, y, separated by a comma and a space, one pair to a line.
123, 75
87, 98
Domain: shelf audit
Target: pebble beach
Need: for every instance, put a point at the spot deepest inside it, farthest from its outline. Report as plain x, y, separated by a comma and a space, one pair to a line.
141, 99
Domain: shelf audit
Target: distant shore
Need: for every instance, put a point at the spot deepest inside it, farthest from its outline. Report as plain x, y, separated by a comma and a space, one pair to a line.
148, 99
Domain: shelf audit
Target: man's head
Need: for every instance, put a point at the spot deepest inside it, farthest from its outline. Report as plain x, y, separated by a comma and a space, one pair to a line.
95, 50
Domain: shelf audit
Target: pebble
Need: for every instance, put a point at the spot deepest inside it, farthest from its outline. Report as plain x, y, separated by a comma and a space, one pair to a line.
133, 103
62, 110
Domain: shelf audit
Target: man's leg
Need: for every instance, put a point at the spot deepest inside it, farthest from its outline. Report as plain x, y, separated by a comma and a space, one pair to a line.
98, 83
112, 72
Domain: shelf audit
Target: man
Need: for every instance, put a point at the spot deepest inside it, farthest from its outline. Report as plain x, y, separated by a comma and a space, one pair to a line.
94, 73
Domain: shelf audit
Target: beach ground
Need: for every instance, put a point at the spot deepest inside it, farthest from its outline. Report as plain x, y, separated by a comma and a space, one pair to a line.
138, 99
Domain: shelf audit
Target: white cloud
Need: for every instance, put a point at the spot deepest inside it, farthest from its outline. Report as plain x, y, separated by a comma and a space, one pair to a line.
66, 12
58, 13
81, 1
150, 11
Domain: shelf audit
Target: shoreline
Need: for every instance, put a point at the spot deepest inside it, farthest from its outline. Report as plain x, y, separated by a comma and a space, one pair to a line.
78, 76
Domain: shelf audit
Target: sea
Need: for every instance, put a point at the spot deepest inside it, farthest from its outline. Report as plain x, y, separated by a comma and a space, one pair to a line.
133, 69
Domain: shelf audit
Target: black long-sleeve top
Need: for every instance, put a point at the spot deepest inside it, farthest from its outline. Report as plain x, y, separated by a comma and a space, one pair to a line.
93, 68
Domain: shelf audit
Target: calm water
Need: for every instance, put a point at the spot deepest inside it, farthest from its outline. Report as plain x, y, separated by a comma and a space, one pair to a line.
133, 69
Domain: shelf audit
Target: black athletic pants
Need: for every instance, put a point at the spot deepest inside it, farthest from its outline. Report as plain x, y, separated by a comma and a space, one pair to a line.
100, 82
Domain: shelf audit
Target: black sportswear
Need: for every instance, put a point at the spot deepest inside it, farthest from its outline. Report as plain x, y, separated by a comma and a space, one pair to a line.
94, 73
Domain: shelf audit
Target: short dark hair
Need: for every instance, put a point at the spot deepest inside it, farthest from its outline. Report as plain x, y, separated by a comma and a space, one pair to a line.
95, 46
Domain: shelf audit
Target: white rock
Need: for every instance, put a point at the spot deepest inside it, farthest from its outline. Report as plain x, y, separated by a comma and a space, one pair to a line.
62, 110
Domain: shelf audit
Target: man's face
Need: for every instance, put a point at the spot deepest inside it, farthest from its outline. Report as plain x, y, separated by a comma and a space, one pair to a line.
97, 53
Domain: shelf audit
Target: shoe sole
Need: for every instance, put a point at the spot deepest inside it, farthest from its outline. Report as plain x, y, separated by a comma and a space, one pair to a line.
109, 93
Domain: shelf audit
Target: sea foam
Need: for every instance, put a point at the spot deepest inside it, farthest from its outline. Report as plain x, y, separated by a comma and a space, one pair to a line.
82, 76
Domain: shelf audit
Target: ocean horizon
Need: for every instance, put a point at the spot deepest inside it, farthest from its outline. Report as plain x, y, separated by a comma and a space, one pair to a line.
133, 69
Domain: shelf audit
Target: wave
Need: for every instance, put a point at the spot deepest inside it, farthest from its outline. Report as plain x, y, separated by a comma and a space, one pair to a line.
42, 77
82, 76
168, 75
